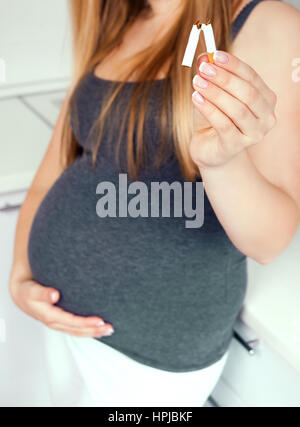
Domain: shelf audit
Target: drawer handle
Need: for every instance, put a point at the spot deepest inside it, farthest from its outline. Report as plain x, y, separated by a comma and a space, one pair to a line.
9, 208
250, 346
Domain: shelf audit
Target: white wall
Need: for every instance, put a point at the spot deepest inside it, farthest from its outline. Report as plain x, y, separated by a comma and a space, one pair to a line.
295, 3
34, 40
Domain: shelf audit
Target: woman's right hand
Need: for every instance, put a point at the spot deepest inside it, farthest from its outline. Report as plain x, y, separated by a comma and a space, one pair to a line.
39, 302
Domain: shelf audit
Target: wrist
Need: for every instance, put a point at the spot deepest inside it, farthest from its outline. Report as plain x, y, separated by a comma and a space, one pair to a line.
19, 274
236, 163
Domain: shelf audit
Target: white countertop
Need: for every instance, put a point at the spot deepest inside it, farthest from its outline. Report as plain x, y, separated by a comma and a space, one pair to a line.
272, 305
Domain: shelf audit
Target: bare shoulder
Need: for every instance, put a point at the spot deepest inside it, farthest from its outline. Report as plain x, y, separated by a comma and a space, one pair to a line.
274, 9
268, 10
270, 39
272, 24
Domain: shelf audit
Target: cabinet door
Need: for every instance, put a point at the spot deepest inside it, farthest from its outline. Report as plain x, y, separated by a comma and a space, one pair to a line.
21, 349
261, 380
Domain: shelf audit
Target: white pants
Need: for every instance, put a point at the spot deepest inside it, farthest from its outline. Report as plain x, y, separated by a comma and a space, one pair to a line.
83, 372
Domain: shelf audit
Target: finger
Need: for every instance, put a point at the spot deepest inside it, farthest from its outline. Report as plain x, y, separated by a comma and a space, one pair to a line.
238, 112
202, 58
84, 333
244, 71
36, 292
242, 90
225, 128
52, 314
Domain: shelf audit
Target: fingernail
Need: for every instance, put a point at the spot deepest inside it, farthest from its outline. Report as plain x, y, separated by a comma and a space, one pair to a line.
200, 82
221, 57
207, 69
108, 332
100, 323
54, 296
198, 98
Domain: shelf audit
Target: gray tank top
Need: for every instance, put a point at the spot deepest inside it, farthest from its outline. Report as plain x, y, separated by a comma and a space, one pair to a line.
172, 293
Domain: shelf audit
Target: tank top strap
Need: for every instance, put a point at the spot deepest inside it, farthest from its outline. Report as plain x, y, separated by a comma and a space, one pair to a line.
242, 17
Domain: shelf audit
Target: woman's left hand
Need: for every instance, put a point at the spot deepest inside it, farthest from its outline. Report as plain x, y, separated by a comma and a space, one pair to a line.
238, 105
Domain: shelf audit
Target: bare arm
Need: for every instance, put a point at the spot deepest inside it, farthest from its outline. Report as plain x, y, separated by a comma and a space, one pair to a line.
251, 163
32, 298
49, 170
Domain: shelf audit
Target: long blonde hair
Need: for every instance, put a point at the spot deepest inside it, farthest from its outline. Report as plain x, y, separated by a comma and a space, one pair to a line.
99, 27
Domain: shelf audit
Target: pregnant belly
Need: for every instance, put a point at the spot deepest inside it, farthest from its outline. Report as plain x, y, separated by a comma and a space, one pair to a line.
141, 275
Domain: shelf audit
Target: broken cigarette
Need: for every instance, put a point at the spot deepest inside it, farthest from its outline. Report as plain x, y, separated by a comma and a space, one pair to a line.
192, 46
209, 41
194, 40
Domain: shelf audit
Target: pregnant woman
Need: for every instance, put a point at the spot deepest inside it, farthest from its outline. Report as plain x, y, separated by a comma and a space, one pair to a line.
140, 309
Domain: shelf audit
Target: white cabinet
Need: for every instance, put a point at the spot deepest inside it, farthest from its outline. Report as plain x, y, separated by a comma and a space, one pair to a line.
21, 352
272, 314
8, 218
24, 139
261, 380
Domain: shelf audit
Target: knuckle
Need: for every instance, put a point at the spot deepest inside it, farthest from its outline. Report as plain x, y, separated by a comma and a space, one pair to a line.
241, 112
210, 112
252, 75
272, 121
50, 325
258, 136
252, 95
49, 322
225, 127
273, 98
216, 94
225, 78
